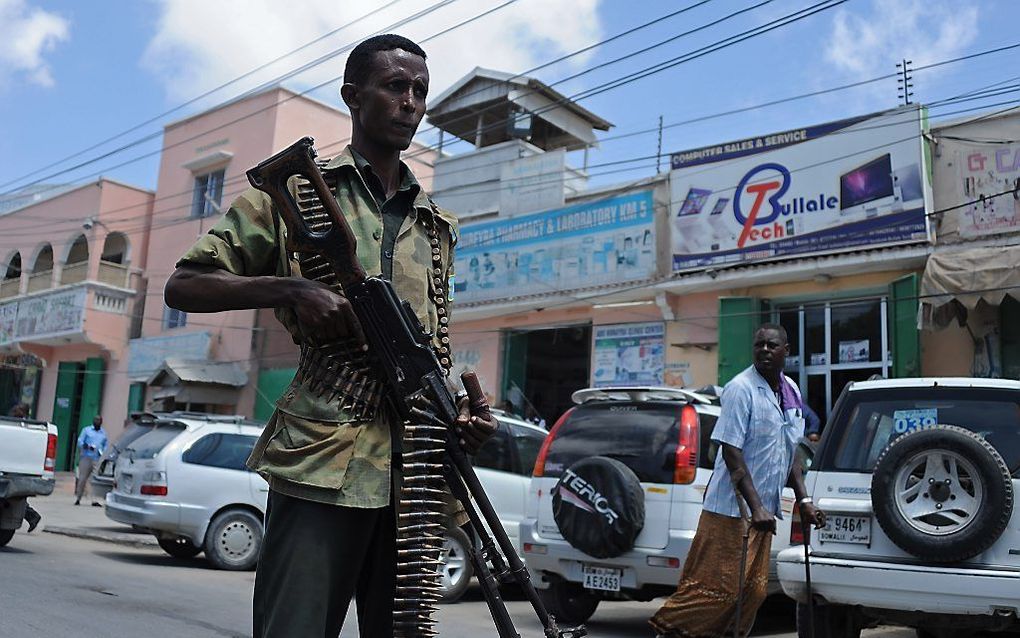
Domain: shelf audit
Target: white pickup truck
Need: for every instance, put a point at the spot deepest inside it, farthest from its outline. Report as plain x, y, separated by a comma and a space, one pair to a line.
28, 452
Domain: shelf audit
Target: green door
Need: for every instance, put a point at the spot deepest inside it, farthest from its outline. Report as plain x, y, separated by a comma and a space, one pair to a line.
905, 337
65, 409
738, 319
515, 362
271, 386
91, 391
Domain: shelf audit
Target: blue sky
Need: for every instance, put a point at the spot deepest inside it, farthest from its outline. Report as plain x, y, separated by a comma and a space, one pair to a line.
73, 74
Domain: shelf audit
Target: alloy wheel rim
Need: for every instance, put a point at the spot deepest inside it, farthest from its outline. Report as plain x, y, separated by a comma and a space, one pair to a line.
938, 492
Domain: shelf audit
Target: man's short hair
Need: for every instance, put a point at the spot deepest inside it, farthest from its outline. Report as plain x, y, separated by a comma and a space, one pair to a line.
774, 326
359, 62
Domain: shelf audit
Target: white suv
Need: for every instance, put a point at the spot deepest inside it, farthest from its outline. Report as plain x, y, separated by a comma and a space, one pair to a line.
616, 495
917, 477
185, 481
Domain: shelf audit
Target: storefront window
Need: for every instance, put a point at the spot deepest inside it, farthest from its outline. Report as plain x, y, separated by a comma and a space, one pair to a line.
855, 338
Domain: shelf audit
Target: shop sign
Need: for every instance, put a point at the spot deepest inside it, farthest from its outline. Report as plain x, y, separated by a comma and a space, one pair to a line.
852, 183
147, 354
45, 316
984, 170
628, 354
582, 246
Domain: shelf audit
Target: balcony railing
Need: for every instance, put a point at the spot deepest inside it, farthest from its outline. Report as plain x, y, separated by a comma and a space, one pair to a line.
74, 273
114, 274
10, 287
42, 280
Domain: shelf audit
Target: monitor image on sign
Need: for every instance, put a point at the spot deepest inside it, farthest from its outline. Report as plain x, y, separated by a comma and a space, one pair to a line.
694, 202
867, 188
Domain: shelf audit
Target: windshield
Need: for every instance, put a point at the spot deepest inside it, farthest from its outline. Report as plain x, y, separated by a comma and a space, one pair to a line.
150, 444
868, 420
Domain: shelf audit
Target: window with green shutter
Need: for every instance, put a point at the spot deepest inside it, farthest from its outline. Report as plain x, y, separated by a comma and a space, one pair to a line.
738, 318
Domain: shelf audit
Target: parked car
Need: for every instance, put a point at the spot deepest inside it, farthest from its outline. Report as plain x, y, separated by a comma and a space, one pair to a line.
918, 478
616, 495
102, 478
185, 481
28, 453
503, 466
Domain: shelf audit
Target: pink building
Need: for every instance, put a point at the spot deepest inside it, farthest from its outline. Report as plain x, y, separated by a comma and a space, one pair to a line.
233, 362
71, 293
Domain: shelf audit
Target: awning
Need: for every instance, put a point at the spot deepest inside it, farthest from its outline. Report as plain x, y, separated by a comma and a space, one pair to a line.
971, 278
215, 395
177, 371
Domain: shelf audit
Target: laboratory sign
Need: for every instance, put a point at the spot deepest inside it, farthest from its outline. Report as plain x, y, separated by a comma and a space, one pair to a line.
587, 245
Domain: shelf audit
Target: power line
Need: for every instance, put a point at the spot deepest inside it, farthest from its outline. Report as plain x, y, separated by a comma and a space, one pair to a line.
199, 97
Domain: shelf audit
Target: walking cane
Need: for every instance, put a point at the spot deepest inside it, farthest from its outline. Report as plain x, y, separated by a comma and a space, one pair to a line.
806, 533
744, 542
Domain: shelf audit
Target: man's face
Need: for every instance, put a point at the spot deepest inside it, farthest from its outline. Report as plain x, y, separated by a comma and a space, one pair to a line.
390, 103
770, 351
97, 422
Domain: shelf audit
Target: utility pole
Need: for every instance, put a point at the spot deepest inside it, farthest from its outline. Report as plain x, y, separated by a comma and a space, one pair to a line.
904, 81
658, 150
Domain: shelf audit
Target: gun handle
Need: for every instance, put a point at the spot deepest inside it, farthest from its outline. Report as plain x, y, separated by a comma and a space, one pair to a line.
476, 398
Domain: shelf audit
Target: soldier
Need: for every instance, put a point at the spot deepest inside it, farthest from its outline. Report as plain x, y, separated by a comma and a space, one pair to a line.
330, 523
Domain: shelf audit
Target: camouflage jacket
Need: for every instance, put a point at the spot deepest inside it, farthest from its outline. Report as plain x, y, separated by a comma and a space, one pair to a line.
310, 448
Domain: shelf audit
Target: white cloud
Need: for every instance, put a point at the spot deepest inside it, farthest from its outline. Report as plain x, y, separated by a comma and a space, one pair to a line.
25, 35
199, 44
923, 31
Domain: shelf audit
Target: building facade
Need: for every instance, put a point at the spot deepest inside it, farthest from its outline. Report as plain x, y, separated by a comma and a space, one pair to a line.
70, 299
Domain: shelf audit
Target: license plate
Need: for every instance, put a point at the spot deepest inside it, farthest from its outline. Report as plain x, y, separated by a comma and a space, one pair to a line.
846, 529
601, 578
125, 483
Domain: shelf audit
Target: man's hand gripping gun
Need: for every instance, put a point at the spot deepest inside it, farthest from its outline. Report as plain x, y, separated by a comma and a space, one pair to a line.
400, 348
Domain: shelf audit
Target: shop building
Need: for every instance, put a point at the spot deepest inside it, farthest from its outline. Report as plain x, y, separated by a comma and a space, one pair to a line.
232, 362
822, 229
970, 291
70, 299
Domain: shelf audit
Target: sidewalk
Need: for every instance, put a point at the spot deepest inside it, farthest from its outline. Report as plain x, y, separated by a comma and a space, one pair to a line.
61, 516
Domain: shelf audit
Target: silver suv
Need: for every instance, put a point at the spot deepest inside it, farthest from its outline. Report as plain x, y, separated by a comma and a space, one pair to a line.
918, 478
616, 495
185, 481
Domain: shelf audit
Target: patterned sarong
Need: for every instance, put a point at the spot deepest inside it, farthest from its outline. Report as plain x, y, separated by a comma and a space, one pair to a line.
705, 601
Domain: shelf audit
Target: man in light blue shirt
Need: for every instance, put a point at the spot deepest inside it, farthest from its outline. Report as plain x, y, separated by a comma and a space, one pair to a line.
91, 443
761, 421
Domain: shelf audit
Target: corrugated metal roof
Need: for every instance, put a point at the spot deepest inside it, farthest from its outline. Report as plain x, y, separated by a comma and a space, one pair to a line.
198, 371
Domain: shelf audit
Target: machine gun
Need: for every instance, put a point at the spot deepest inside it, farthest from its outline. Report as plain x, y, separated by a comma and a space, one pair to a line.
401, 353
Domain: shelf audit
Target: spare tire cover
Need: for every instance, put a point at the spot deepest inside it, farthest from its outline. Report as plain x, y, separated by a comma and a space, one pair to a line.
599, 506
943, 494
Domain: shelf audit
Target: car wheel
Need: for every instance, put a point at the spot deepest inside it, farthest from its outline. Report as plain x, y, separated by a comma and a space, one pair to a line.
179, 547
569, 603
830, 621
233, 540
943, 494
455, 569
5, 536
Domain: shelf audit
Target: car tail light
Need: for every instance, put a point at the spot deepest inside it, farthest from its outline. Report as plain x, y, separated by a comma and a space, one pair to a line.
153, 484
664, 561
50, 463
796, 529
686, 467
544, 451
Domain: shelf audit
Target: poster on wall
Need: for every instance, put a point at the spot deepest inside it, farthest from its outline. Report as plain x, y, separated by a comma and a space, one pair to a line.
984, 172
49, 315
597, 243
628, 354
852, 183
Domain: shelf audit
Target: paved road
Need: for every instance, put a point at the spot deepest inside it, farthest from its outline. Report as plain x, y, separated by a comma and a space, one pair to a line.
59, 586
